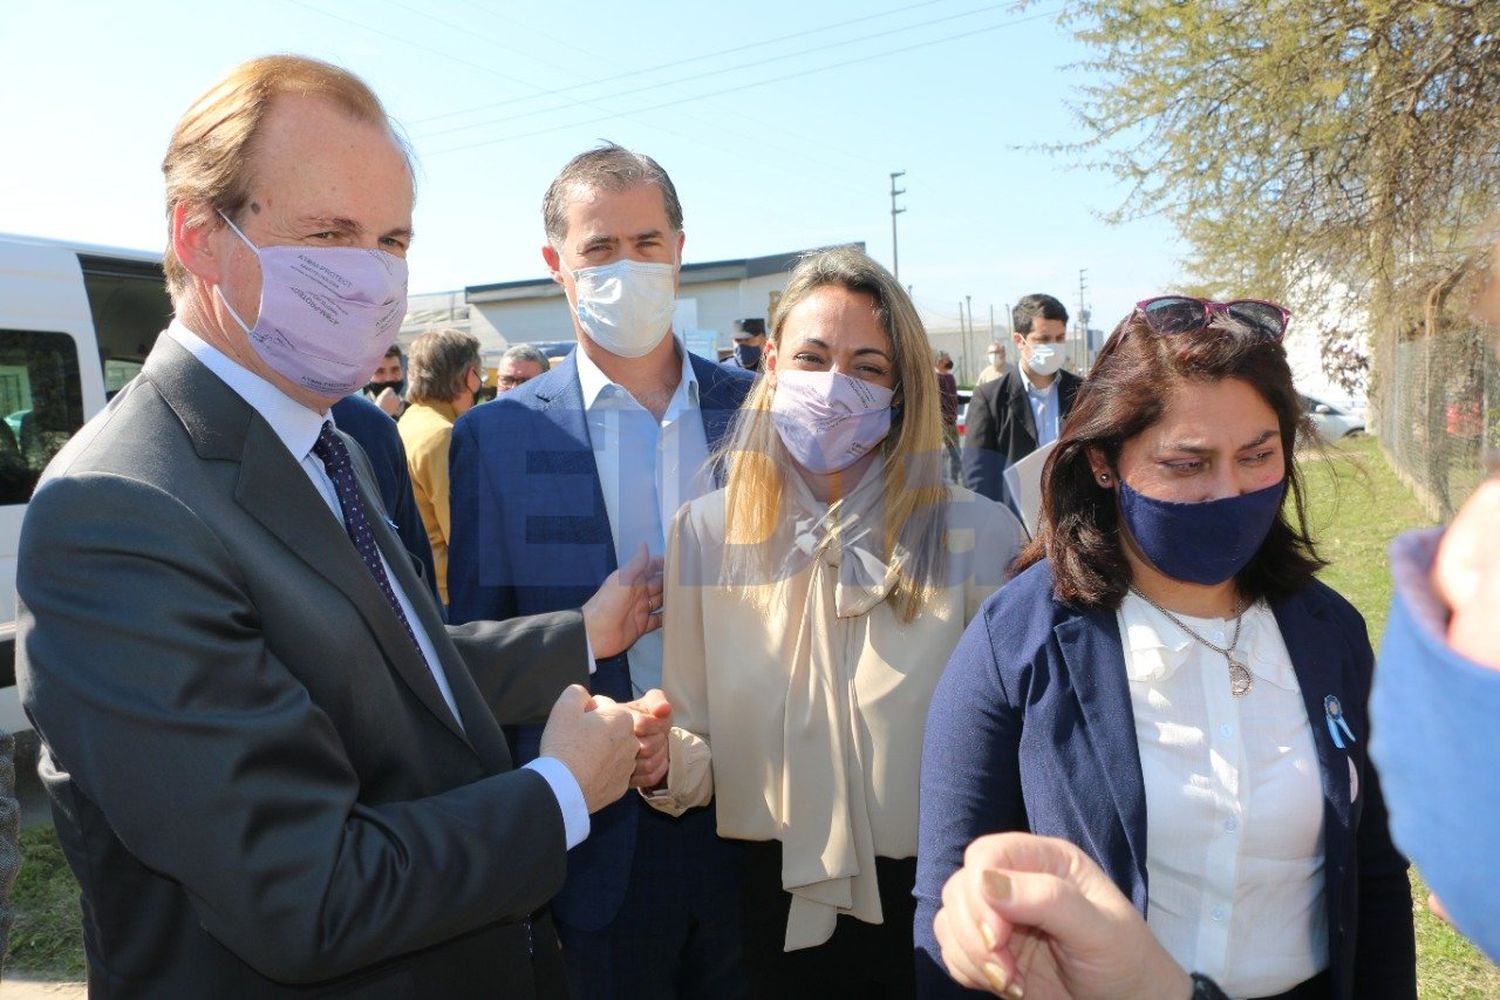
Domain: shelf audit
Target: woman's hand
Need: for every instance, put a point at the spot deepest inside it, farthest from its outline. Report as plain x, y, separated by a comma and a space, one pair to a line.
1036, 914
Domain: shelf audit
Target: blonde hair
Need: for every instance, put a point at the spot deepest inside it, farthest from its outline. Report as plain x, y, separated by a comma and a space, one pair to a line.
208, 161
915, 500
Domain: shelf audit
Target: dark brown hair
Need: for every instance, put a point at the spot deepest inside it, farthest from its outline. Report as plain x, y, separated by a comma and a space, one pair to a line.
1124, 394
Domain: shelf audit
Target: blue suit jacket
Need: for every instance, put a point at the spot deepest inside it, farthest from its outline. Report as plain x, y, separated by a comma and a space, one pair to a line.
1031, 728
531, 533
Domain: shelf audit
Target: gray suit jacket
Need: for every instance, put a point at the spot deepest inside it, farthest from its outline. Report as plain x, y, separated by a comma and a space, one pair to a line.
253, 772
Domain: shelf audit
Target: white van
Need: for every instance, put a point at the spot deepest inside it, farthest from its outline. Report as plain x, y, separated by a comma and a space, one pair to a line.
76, 324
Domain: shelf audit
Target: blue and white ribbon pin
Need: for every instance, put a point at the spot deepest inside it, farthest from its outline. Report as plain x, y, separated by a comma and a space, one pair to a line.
1334, 715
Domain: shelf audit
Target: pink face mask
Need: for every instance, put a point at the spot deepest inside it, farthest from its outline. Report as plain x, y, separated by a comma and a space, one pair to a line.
327, 314
829, 420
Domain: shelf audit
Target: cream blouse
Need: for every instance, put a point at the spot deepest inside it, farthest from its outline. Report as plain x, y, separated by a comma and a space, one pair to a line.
805, 721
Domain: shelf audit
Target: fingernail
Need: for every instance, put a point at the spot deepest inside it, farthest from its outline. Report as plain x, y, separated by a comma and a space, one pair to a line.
988, 933
1014, 992
997, 978
996, 886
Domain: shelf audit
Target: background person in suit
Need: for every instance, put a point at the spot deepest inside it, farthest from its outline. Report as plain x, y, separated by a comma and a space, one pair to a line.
1169, 687
559, 481
810, 607
273, 770
1012, 416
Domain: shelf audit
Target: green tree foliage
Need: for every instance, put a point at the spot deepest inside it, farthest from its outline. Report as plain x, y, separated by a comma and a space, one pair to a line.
1305, 149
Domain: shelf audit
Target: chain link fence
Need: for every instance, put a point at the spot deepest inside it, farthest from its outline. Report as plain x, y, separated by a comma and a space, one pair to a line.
1435, 397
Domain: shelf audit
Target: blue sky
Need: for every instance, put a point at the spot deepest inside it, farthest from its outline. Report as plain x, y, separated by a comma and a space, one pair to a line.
772, 146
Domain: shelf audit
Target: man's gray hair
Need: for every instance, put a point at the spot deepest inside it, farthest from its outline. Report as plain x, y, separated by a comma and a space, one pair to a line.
609, 167
525, 352
438, 363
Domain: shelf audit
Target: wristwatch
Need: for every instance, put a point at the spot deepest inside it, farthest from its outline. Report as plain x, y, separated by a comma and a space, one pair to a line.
1206, 989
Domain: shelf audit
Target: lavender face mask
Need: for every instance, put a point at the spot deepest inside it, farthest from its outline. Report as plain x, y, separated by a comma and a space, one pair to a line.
828, 420
327, 314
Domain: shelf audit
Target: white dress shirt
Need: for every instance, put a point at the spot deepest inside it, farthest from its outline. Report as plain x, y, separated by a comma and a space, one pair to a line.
298, 427
647, 470
1044, 406
1234, 802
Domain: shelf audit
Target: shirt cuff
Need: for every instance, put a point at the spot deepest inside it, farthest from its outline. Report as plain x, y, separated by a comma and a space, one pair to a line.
564, 786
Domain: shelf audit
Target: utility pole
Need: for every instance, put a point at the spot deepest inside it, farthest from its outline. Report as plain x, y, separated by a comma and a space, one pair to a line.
968, 337
895, 257
1081, 354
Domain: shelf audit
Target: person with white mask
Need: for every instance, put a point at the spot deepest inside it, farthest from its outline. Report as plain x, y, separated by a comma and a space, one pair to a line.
559, 481
810, 606
1023, 409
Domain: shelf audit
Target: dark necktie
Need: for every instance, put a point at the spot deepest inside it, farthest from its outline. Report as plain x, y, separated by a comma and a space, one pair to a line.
335, 455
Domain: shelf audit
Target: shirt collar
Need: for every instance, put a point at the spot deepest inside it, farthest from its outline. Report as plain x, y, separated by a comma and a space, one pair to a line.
296, 425
1033, 391
1156, 646
593, 381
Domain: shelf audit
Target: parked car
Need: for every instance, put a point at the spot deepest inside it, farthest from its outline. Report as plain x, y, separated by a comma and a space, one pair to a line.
1332, 423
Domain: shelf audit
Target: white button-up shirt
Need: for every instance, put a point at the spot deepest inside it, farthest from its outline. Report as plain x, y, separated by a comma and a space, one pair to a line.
1044, 406
298, 427
1234, 802
647, 470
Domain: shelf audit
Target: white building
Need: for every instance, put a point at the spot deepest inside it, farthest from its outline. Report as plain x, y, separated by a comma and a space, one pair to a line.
712, 296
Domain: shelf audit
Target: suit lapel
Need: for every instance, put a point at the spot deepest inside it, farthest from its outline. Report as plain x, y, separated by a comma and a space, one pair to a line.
1319, 657
1021, 415
275, 491
719, 399
1096, 669
564, 431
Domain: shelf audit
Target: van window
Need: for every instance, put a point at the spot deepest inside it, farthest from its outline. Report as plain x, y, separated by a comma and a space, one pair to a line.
129, 303
41, 406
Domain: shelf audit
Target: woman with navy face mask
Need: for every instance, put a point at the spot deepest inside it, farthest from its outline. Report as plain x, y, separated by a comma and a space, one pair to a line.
810, 606
1165, 683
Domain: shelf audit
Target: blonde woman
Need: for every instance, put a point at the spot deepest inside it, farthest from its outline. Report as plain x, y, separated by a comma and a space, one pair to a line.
810, 606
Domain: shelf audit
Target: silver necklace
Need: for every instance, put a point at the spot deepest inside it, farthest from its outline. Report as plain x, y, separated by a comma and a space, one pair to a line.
1240, 679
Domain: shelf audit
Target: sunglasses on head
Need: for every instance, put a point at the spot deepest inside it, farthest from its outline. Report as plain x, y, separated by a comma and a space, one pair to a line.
1168, 314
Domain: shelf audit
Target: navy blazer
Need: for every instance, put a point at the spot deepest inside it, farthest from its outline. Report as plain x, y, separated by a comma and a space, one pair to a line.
531, 532
1031, 728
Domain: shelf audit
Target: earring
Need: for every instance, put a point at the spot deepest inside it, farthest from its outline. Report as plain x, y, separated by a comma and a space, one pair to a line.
1103, 479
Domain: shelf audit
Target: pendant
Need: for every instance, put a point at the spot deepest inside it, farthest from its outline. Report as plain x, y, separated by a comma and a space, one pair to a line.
1240, 680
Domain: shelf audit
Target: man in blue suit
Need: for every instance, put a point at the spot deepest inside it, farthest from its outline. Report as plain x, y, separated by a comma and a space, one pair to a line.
565, 478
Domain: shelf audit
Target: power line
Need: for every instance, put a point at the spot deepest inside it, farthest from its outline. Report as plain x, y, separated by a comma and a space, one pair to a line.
683, 62
754, 83
707, 73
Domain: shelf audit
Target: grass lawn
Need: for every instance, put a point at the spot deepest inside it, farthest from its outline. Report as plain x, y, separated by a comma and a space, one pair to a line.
1355, 506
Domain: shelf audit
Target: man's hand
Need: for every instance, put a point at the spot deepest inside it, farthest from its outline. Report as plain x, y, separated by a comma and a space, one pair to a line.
1036, 912
653, 718
389, 401
625, 607
1466, 575
595, 740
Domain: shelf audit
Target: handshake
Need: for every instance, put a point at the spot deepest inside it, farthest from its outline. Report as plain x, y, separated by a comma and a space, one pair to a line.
608, 746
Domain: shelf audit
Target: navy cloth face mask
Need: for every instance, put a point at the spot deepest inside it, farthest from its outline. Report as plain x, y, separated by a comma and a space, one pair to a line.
748, 355
1206, 542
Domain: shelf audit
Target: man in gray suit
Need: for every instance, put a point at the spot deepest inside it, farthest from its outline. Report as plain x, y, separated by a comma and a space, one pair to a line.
273, 769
